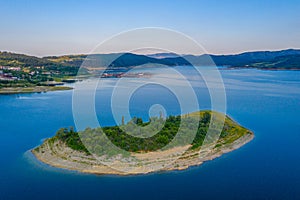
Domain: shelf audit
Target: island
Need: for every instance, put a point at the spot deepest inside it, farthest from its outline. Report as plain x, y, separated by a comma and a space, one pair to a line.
66, 149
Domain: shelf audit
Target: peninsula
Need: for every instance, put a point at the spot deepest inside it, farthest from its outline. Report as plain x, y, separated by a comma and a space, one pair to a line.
32, 89
66, 149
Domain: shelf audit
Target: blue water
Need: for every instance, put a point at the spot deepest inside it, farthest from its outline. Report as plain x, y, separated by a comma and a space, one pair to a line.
267, 102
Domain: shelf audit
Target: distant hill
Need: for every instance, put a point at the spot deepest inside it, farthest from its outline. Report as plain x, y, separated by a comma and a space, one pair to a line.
284, 59
70, 60
25, 61
261, 59
129, 60
17, 60
250, 58
113, 60
280, 62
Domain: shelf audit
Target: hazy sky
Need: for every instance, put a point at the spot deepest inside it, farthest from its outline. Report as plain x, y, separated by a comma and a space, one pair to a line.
222, 27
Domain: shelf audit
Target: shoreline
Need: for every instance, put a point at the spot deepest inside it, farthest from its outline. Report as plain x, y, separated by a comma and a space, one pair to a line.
34, 89
60, 156
261, 68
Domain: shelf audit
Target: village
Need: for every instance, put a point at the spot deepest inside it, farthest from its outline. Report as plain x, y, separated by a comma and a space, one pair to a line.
8, 76
9, 73
125, 75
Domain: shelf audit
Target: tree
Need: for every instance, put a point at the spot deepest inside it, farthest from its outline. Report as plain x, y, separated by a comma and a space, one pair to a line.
206, 118
123, 120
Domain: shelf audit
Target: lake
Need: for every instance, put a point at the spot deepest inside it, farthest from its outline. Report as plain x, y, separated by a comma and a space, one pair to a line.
266, 102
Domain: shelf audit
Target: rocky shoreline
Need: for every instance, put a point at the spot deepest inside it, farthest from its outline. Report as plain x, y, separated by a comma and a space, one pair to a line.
58, 155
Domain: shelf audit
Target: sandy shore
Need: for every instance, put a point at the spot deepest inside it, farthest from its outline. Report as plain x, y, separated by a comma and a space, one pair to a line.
61, 156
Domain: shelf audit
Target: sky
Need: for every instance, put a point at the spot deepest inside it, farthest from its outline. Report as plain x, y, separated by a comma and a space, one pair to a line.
57, 27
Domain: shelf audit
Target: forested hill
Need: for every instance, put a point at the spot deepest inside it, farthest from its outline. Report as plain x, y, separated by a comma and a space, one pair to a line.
32, 63
284, 59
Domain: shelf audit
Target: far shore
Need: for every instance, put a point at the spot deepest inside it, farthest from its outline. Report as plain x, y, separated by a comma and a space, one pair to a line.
33, 89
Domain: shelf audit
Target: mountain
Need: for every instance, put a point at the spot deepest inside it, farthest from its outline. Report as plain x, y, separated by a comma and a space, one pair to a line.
113, 60
259, 59
284, 59
275, 59
129, 60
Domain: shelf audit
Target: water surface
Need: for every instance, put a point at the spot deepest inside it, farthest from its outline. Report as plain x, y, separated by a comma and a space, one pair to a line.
267, 102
